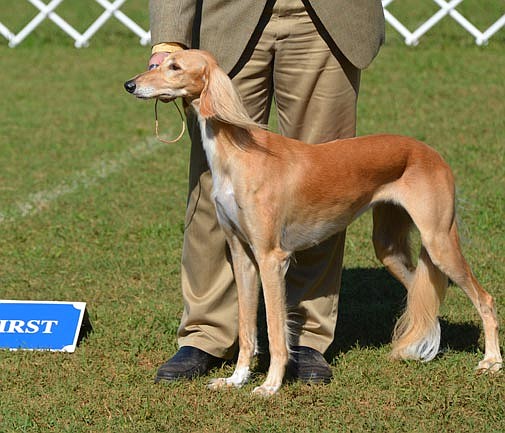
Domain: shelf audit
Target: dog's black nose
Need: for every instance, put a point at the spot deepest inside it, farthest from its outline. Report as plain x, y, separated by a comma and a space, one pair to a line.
130, 86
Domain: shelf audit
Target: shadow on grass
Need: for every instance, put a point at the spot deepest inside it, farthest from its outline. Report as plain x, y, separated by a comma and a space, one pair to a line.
370, 302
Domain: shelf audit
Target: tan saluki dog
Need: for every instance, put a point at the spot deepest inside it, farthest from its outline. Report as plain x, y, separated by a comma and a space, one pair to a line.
275, 195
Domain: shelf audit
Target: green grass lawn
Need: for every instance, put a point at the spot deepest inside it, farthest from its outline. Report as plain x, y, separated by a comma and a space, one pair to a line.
92, 208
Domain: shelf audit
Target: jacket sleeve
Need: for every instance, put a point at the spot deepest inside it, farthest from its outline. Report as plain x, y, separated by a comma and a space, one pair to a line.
172, 21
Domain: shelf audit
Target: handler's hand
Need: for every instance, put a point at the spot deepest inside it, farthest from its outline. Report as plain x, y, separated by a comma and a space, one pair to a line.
157, 59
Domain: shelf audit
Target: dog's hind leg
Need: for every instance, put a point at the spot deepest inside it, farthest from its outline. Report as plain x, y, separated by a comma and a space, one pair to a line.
246, 277
428, 197
445, 251
391, 228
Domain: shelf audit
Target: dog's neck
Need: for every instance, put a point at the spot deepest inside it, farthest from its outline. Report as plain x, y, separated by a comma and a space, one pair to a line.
210, 144
221, 141
217, 141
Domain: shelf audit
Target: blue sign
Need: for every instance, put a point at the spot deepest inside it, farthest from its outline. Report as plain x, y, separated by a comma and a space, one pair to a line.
39, 325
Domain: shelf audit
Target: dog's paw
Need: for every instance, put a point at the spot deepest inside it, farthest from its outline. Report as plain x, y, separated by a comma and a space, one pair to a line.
265, 390
237, 379
489, 366
219, 383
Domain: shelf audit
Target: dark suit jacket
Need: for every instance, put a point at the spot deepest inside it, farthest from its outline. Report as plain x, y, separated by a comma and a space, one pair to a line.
224, 27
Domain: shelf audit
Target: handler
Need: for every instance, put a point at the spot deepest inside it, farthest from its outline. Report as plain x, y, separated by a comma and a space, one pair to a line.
306, 56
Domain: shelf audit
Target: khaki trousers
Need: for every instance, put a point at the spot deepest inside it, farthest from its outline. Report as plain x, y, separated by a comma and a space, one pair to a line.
315, 97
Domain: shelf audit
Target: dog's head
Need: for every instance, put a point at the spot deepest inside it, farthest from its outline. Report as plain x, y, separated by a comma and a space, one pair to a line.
182, 74
195, 76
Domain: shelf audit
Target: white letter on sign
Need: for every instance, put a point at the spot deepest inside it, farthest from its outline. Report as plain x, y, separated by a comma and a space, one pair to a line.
16, 326
3, 323
49, 324
32, 327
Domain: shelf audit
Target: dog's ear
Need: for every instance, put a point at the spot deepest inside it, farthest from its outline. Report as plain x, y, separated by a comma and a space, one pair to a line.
220, 100
206, 108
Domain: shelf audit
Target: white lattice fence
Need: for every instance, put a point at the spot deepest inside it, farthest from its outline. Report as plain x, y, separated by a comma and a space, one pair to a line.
447, 9
47, 11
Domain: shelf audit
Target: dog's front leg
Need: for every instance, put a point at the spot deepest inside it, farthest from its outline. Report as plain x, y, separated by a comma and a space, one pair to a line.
246, 277
273, 266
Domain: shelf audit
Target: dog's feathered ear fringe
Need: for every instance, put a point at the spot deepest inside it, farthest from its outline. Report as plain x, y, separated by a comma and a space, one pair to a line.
220, 100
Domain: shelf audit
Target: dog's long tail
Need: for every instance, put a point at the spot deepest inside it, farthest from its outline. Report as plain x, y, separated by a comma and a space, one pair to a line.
417, 332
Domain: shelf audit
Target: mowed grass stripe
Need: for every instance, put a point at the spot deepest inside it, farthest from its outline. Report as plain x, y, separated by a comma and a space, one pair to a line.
41, 200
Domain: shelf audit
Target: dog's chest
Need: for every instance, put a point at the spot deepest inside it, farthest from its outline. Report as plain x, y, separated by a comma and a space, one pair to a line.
222, 188
226, 204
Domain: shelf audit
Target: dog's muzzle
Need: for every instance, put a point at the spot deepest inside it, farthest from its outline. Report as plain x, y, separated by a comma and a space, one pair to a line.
130, 86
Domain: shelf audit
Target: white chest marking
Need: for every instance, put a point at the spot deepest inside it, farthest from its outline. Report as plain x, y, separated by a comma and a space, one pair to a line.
222, 187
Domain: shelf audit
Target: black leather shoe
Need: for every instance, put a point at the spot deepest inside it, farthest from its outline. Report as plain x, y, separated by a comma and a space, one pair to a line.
308, 365
188, 363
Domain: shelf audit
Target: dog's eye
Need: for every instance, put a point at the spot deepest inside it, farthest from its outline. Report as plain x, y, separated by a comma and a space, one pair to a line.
174, 67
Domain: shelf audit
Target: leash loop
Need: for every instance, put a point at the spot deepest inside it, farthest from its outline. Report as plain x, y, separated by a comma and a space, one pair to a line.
156, 126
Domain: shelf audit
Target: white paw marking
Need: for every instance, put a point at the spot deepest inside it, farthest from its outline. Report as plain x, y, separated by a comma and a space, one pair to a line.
237, 379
